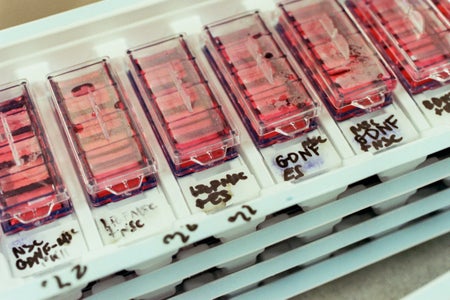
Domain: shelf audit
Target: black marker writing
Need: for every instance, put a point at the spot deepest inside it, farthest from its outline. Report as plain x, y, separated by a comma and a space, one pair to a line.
126, 222
214, 198
184, 238
25, 248
214, 191
39, 252
66, 237
79, 271
169, 237
123, 228
242, 214
370, 133
192, 227
60, 283
293, 173
289, 162
440, 105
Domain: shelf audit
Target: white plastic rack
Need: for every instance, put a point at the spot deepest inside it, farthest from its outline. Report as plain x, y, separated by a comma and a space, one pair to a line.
276, 239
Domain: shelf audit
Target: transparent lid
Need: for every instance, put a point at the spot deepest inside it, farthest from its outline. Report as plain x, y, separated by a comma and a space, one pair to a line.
340, 60
194, 129
444, 7
31, 189
106, 143
269, 93
414, 36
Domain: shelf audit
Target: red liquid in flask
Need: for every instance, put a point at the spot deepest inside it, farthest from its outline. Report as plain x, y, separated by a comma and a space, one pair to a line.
269, 95
190, 123
412, 36
344, 68
32, 191
109, 150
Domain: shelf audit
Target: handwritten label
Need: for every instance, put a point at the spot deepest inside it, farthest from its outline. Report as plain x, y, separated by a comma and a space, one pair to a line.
379, 130
78, 272
216, 191
435, 105
243, 214
40, 251
183, 237
302, 157
135, 217
33, 251
440, 105
292, 162
376, 135
125, 223
218, 187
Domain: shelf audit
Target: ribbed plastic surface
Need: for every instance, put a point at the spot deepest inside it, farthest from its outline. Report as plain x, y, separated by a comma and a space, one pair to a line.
336, 198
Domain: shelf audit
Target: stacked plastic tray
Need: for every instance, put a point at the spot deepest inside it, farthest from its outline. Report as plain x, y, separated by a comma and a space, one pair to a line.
220, 148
